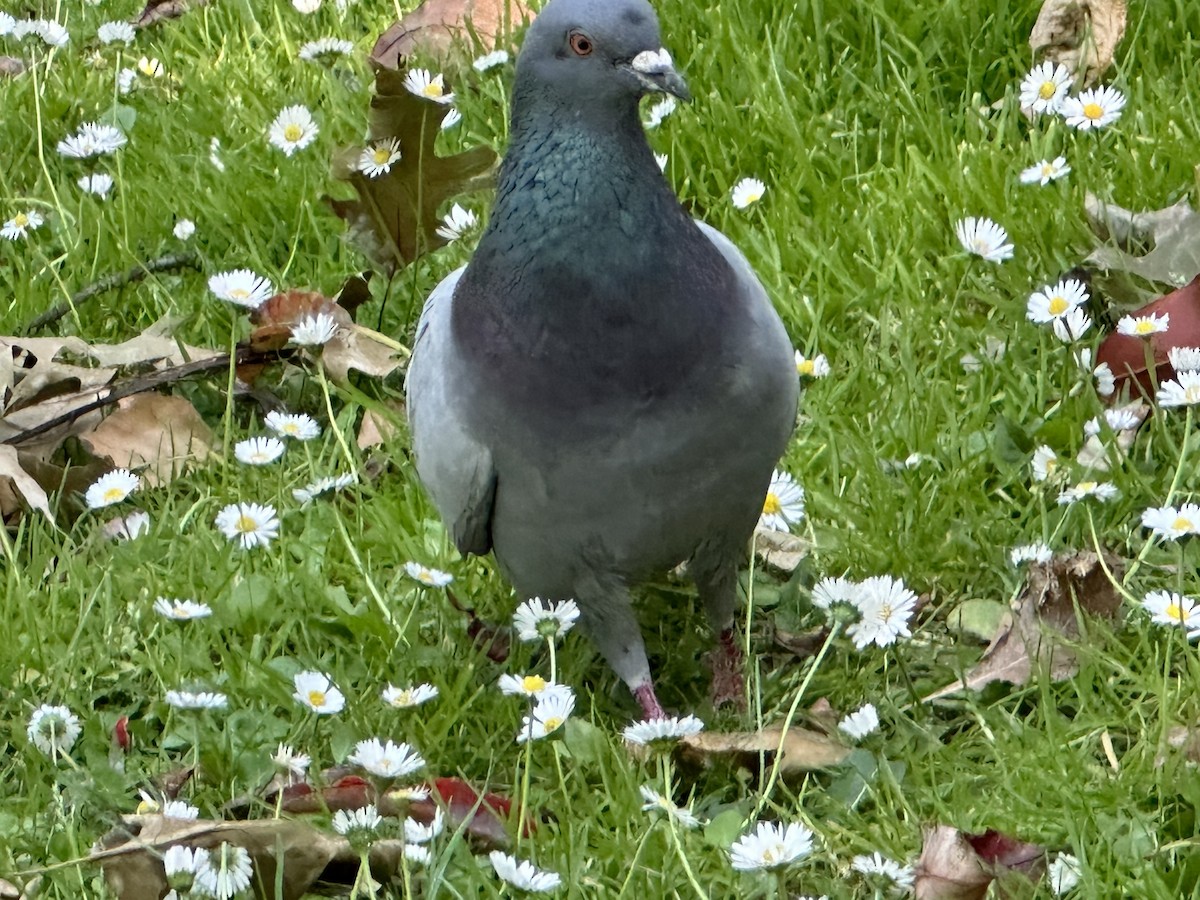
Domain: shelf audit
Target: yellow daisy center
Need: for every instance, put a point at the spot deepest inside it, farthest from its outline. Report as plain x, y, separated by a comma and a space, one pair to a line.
425, 576
552, 724
1087, 487
533, 684
772, 506
1192, 394
771, 854
404, 698
291, 428
753, 196
113, 494
805, 368
239, 293
247, 525
1182, 523
1143, 326
886, 612
1093, 110
433, 89
21, 220
1175, 611
381, 156
316, 698
1047, 90
1047, 169
292, 132
1051, 464
179, 610
1058, 306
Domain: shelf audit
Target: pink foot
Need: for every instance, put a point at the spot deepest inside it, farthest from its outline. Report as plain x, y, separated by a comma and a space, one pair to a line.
644, 694
728, 676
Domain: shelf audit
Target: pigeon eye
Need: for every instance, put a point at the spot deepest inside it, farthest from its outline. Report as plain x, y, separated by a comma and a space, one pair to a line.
580, 43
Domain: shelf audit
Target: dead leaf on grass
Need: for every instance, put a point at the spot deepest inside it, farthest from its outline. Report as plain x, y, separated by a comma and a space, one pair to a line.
18, 487
1174, 232
434, 27
958, 866
1043, 620
803, 750
378, 426
1130, 358
779, 549
11, 67
158, 434
1081, 34
158, 10
362, 349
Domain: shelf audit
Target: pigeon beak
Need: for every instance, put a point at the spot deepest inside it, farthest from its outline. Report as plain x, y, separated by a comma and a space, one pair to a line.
655, 70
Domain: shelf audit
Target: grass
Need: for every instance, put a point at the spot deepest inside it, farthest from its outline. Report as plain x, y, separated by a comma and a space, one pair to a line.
873, 127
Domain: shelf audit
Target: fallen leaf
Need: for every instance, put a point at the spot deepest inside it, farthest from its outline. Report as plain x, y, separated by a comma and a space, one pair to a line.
801, 645
780, 549
979, 617
1081, 34
1043, 620
158, 434
11, 67
1130, 358
803, 750
378, 426
494, 640
1174, 232
433, 28
17, 487
362, 349
958, 866
157, 10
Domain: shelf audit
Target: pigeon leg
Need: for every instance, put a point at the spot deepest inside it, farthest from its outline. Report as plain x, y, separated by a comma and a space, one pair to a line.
716, 580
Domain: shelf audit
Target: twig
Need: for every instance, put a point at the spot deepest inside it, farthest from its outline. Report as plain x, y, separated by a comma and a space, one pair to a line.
108, 282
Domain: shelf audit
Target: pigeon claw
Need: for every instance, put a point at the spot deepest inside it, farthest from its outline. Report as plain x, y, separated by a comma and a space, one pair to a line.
728, 675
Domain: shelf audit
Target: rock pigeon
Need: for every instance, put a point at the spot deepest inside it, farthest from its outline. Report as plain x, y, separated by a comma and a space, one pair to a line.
603, 392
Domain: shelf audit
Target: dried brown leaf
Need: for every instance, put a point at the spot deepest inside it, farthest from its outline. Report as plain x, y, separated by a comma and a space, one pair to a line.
803, 750
11, 67
378, 426
158, 10
433, 28
779, 549
957, 866
18, 487
1130, 357
158, 434
1081, 34
1043, 620
1174, 231
362, 349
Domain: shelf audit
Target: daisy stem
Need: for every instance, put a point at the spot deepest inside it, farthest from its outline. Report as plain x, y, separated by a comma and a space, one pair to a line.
553, 660
791, 716
637, 855
369, 581
781, 884
523, 801
664, 774
333, 425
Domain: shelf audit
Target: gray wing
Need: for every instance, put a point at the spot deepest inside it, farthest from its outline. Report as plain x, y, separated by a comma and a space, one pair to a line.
455, 468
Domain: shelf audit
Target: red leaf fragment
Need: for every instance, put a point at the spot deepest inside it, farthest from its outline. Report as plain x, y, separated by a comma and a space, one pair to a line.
1126, 355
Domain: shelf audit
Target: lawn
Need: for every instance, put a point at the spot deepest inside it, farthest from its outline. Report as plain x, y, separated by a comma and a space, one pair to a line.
875, 128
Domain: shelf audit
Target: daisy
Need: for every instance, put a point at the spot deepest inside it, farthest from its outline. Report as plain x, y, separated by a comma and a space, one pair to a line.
532, 686
251, 524
830, 592
111, 488
490, 60
1106, 382
1172, 523
1183, 390
1046, 171
415, 853
548, 715
327, 484
126, 528
1118, 420
431, 87
241, 286
407, 698
223, 872
456, 223
314, 331
196, 700
428, 577
7, 23
1064, 873
1036, 552
184, 229
377, 159
180, 809
877, 866
1072, 326
1054, 302
984, 238
1144, 326
1045, 461
417, 793
654, 801
181, 610
1184, 359
300, 426
306, 7
662, 731
21, 224
1167, 608
886, 606
1045, 87
52, 33
771, 846
1101, 490
180, 860
317, 691
288, 761
817, 367
258, 451
385, 759
747, 192
452, 118
783, 505
860, 723
92, 139
53, 729
524, 876
1093, 108
537, 619
111, 32
126, 79
660, 111
419, 833
326, 47
293, 129
366, 819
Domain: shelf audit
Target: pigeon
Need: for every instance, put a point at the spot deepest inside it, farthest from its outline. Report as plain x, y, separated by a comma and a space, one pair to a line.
604, 390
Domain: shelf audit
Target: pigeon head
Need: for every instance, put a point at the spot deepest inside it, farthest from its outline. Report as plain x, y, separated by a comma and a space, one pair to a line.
593, 54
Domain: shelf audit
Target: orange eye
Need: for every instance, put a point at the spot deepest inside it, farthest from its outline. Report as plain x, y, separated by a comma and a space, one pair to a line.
580, 43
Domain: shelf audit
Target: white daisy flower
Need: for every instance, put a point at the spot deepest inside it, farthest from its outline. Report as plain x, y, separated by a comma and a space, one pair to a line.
747, 192
293, 129
424, 84
407, 698
1064, 873
53, 729
251, 524
1101, 490
181, 610
1169, 608
1183, 390
223, 872
306, 7
1172, 522
1184, 359
1144, 326
656, 802
523, 875
413, 793
242, 287
660, 111
258, 451
1045, 461
984, 238
549, 714
830, 592
878, 866
817, 367
661, 159
327, 484
654, 731
1094, 108
325, 48
538, 619
1118, 420
1045, 87
180, 809
1072, 326
420, 833
1106, 382
784, 504
151, 68
110, 488
428, 577
377, 160
1036, 552
184, 229
860, 723
197, 700
385, 759
364, 820
1055, 301
1046, 171
300, 426
126, 528
886, 606
770, 846
533, 686
92, 139
490, 60
317, 691
7, 23
126, 80
21, 224
52, 33
456, 223
417, 855
111, 32
291, 763
314, 331
452, 118
180, 860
